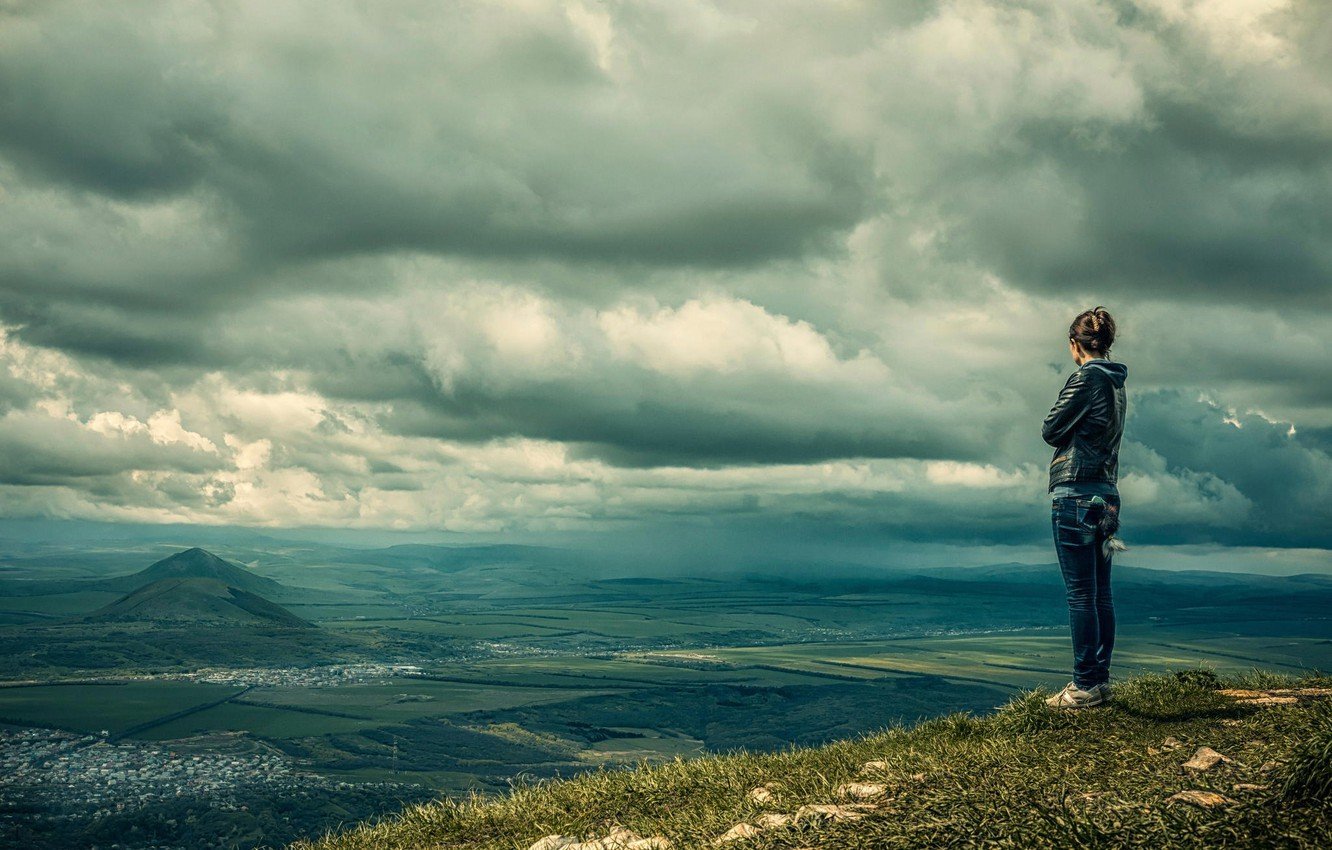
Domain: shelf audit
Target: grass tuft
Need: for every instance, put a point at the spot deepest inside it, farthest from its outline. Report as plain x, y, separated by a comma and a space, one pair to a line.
1308, 773
1178, 695
959, 724
1027, 713
1202, 677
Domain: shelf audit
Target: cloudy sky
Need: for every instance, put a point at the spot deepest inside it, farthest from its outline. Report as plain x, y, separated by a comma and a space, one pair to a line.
533, 267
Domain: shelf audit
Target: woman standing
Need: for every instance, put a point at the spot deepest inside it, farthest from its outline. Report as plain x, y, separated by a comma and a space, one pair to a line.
1085, 426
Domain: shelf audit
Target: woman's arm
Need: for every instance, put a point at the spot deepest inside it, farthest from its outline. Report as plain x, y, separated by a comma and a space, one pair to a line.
1068, 410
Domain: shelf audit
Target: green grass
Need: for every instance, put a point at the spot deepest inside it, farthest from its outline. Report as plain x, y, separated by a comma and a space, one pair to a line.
113, 707
1308, 779
1024, 776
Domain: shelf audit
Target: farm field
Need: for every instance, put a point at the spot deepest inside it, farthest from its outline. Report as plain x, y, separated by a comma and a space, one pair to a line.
112, 706
340, 730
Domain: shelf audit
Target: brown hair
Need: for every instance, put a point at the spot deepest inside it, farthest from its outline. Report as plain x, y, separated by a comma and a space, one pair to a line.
1094, 330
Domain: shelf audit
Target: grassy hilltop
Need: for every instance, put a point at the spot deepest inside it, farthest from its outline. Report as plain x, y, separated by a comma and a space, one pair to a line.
1132, 774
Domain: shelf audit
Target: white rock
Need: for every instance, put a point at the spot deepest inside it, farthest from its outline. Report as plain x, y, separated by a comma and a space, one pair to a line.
1206, 799
737, 833
862, 790
1205, 758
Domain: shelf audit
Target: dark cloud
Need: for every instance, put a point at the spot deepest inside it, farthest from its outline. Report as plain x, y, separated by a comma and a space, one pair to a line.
1156, 219
487, 135
1282, 478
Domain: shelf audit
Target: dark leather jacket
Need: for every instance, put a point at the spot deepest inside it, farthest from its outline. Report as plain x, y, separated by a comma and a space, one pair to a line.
1085, 424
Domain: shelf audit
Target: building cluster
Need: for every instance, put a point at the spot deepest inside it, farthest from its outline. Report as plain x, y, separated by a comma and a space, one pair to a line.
67, 776
333, 675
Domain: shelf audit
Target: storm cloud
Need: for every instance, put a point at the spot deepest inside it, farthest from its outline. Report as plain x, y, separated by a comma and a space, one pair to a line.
561, 265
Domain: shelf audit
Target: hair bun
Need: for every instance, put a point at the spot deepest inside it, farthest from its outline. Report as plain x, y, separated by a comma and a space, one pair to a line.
1093, 329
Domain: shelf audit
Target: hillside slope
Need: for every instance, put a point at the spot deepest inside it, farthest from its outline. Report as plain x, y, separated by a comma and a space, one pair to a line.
196, 563
1134, 774
195, 600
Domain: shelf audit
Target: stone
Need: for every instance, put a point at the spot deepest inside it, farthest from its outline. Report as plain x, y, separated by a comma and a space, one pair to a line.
738, 832
874, 766
862, 790
773, 820
1274, 696
1206, 799
762, 794
619, 838
1205, 758
1171, 743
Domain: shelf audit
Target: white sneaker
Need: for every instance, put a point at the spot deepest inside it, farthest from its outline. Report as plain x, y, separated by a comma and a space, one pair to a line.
1074, 697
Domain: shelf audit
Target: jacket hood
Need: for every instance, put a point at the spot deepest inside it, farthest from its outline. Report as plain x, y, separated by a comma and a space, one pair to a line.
1117, 371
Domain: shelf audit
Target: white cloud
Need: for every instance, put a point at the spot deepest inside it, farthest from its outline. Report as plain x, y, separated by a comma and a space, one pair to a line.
718, 334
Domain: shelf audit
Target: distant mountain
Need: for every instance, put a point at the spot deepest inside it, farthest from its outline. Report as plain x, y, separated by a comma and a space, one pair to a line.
454, 558
1019, 573
196, 563
196, 600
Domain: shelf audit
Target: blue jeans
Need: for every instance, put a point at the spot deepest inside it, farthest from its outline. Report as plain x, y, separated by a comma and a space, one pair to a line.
1091, 608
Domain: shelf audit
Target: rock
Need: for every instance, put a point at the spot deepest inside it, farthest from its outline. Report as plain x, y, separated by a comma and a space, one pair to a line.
862, 790
1205, 759
1274, 696
874, 766
1268, 766
1206, 799
1247, 786
762, 795
1171, 743
774, 820
738, 832
618, 838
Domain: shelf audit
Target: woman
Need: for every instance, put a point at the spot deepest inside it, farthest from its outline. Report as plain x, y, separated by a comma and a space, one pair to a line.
1084, 426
